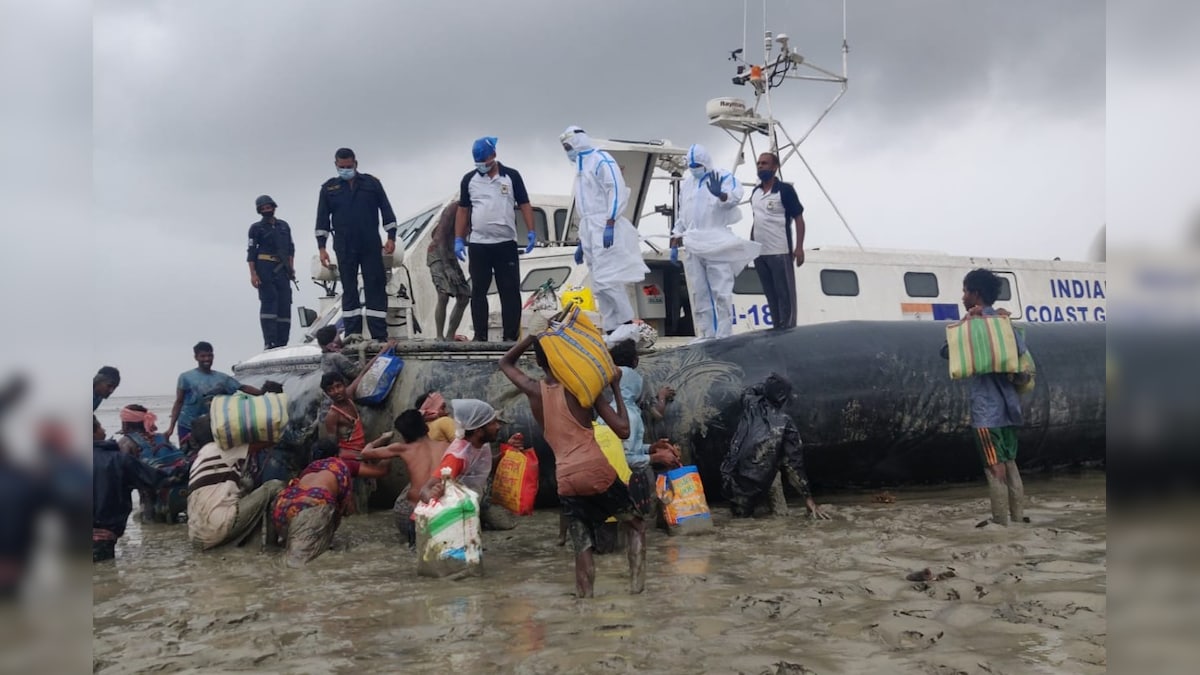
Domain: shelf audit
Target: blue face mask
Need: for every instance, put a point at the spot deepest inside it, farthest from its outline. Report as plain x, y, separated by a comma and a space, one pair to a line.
346, 174
572, 154
483, 167
698, 171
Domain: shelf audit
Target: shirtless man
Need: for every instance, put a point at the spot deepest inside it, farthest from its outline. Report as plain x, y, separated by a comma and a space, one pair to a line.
588, 486
420, 454
308, 511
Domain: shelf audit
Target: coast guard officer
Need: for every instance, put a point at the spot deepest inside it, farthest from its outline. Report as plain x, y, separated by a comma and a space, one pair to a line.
271, 255
350, 206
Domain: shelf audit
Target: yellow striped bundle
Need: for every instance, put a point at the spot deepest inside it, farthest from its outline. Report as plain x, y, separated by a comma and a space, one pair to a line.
980, 345
241, 419
578, 357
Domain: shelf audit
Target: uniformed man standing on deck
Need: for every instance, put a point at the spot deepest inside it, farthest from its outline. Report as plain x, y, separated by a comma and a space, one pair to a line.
350, 206
271, 255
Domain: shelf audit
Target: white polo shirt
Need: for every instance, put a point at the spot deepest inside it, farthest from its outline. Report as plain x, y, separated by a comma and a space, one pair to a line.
493, 203
774, 212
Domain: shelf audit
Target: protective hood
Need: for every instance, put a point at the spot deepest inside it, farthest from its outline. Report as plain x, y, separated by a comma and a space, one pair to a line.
777, 390
698, 154
471, 414
483, 148
577, 138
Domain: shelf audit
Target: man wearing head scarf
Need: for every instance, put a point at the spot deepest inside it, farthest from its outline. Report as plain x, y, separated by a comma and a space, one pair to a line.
104, 383
708, 206
608, 242
470, 458
485, 231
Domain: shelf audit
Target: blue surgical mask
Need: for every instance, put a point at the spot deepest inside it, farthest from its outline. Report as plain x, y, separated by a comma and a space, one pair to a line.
698, 171
572, 154
346, 174
483, 167
765, 176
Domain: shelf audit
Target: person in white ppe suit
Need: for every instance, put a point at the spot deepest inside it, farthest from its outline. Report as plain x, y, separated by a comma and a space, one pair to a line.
608, 242
708, 206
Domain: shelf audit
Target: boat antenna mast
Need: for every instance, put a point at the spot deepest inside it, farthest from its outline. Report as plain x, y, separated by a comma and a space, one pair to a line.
742, 124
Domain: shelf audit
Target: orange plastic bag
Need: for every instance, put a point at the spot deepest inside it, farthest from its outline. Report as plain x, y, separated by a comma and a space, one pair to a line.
515, 485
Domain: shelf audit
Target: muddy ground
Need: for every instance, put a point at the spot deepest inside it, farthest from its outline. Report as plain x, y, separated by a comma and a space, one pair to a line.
755, 596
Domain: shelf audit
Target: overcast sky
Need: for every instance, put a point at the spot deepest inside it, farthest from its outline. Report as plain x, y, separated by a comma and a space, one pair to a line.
969, 127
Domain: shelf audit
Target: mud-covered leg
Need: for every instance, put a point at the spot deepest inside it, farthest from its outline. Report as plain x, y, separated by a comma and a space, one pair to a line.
562, 529
585, 573
776, 501
998, 493
635, 541
1016, 492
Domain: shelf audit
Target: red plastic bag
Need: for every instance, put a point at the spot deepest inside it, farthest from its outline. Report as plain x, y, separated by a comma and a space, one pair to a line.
515, 485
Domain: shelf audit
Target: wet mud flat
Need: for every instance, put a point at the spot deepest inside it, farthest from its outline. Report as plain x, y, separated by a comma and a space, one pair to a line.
783, 595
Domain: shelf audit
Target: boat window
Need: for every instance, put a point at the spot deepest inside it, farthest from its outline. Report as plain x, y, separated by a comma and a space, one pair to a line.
748, 283
839, 282
1005, 289
921, 284
539, 226
560, 224
409, 230
535, 278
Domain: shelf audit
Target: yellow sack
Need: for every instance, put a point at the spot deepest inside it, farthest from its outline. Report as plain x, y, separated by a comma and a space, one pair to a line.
580, 296
578, 357
614, 452
240, 419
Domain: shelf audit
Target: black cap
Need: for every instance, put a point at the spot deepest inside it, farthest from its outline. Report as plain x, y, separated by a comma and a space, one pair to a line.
262, 201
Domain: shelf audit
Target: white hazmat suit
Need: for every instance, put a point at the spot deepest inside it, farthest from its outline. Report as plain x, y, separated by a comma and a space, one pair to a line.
600, 196
715, 254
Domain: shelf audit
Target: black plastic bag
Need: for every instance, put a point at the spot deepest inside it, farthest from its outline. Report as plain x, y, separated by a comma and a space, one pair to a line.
766, 441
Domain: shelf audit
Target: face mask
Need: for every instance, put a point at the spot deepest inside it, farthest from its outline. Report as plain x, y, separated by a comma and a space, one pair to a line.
483, 167
268, 214
346, 174
765, 176
572, 154
698, 171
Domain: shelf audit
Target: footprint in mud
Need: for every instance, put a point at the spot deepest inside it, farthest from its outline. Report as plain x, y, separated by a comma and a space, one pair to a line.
787, 668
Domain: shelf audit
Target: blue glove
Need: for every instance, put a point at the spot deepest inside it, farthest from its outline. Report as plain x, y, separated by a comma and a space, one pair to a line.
532, 239
579, 254
608, 235
460, 248
674, 255
714, 185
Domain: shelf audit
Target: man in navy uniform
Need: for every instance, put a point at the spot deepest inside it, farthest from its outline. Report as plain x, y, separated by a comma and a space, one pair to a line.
350, 207
271, 255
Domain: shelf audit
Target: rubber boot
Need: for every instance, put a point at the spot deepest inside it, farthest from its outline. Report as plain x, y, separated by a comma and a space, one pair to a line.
998, 492
1016, 492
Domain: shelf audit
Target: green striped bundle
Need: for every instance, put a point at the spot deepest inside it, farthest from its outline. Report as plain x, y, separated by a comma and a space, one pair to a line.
241, 419
980, 345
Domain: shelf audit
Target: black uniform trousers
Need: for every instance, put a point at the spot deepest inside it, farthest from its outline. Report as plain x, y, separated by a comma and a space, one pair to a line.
362, 252
500, 259
275, 302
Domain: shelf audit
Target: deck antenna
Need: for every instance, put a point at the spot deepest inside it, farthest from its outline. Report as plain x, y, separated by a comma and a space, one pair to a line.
741, 123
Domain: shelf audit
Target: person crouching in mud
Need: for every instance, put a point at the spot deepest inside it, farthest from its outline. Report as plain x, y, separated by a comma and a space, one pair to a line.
308, 511
765, 445
588, 486
471, 461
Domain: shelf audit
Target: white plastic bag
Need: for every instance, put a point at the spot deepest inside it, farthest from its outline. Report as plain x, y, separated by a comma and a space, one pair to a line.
448, 532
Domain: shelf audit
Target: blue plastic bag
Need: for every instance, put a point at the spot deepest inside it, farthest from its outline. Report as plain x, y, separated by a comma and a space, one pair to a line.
378, 380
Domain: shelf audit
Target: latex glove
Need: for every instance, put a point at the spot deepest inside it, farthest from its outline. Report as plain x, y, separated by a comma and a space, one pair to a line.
714, 185
674, 255
460, 248
609, 231
532, 241
579, 254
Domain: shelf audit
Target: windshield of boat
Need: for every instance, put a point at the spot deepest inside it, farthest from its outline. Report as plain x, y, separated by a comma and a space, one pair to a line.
408, 231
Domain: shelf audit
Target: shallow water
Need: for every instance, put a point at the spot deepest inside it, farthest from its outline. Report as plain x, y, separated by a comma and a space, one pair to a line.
755, 596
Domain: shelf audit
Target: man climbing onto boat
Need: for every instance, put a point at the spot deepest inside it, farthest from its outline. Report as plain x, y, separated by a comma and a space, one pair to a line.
488, 198
608, 242
271, 255
588, 486
196, 388
350, 206
776, 206
708, 206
